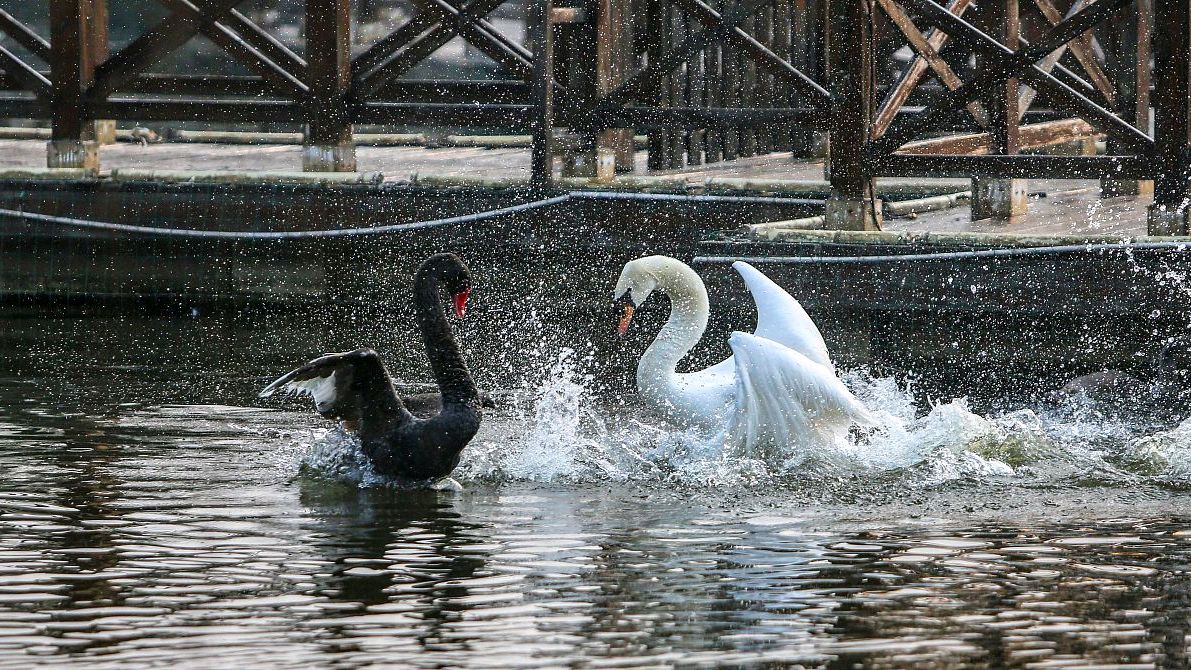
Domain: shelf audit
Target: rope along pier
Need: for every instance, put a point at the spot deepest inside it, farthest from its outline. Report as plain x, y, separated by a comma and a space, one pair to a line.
399, 227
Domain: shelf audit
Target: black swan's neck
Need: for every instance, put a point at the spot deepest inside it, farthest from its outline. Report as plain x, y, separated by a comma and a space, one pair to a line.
446, 361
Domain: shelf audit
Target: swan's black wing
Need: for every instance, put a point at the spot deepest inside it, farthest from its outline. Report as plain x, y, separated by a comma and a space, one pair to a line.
350, 386
426, 405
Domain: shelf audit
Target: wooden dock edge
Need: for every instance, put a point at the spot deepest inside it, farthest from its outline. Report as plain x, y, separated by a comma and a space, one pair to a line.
912, 239
726, 186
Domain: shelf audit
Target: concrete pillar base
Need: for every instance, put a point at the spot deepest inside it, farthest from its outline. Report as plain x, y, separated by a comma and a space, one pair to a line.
1004, 199
328, 158
1112, 188
1166, 222
105, 132
853, 214
598, 164
620, 142
72, 154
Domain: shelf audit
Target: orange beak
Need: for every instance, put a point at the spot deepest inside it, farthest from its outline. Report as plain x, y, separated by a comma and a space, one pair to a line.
460, 300
626, 320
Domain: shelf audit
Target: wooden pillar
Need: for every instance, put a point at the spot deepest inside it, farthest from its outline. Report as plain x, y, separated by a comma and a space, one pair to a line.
75, 34
995, 197
103, 130
853, 204
609, 34
541, 34
328, 145
1172, 47
1132, 83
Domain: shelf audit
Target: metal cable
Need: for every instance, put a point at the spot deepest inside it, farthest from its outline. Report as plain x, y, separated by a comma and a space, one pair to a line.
400, 227
281, 235
950, 255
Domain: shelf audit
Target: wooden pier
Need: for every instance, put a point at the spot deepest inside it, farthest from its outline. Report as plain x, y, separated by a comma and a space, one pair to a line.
899, 88
794, 129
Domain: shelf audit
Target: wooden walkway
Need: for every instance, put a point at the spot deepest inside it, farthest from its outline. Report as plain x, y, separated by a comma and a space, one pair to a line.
393, 162
1057, 207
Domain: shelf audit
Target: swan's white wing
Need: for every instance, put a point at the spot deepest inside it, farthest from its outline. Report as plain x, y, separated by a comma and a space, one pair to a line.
786, 403
781, 318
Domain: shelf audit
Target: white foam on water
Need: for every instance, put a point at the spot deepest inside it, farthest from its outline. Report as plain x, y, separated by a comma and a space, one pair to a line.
1165, 454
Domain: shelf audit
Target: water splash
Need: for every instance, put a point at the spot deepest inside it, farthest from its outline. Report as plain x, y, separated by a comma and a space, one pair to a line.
555, 430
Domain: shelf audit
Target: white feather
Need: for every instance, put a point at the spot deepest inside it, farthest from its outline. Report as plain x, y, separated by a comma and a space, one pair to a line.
321, 389
783, 398
781, 318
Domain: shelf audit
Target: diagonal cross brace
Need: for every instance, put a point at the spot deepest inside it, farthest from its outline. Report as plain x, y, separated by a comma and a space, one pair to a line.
483, 35
765, 59
927, 56
717, 28
28, 77
23, 36
261, 41
1022, 64
185, 21
413, 42
1081, 48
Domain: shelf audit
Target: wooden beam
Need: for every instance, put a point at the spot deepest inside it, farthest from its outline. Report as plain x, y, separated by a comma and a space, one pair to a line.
1033, 136
1026, 95
24, 36
252, 34
29, 78
1129, 60
647, 78
541, 34
482, 35
1081, 48
852, 204
151, 46
73, 43
411, 44
1172, 132
328, 146
760, 54
214, 25
1015, 167
927, 55
1023, 63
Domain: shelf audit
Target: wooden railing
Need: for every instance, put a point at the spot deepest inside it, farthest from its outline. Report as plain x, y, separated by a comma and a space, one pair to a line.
706, 80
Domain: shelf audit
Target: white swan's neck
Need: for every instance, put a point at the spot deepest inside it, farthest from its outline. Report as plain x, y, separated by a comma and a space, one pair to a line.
688, 319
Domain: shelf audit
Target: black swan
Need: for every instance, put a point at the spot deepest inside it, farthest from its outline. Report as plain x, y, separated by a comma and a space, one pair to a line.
355, 387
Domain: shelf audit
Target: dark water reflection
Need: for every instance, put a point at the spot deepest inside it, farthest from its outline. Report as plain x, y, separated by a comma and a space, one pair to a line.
139, 532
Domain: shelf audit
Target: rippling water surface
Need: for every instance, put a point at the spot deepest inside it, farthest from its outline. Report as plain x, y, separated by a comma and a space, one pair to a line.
154, 514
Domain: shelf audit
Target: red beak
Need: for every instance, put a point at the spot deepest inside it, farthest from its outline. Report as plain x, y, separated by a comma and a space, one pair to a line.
460, 300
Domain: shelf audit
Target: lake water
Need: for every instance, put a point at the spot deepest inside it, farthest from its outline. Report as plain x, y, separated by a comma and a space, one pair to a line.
154, 513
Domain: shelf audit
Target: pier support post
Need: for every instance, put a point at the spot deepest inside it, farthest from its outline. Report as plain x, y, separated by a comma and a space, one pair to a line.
997, 197
1131, 36
601, 155
77, 30
328, 144
852, 204
541, 33
103, 130
1172, 85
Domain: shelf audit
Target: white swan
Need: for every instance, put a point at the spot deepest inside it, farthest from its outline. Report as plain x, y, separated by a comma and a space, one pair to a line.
778, 389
